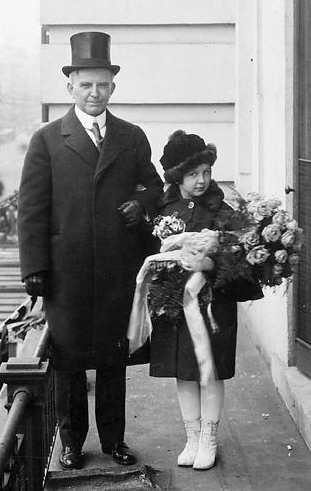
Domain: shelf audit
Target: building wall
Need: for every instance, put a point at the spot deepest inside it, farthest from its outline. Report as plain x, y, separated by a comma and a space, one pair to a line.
268, 123
177, 66
223, 69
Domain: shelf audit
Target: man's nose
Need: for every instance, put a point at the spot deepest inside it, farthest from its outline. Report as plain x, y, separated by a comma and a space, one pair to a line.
94, 90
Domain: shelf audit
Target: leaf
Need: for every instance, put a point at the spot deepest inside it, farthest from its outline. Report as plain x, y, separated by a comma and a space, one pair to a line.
166, 293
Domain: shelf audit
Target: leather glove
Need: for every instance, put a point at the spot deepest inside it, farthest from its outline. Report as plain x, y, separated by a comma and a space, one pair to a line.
132, 213
37, 284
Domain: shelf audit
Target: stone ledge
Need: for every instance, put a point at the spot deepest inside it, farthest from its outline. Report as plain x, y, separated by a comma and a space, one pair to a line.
295, 390
134, 478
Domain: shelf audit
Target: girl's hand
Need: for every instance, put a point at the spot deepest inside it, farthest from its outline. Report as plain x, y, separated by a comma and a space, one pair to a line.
174, 242
196, 262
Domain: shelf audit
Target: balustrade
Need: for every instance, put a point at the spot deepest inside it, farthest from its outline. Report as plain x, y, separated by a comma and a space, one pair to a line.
28, 434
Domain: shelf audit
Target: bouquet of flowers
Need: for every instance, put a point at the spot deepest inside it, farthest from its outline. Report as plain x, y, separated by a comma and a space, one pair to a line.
257, 242
164, 226
273, 245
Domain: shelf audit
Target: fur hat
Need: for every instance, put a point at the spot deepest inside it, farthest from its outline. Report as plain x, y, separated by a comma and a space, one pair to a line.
183, 152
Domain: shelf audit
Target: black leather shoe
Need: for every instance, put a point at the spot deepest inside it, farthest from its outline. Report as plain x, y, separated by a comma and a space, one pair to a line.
71, 458
120, 452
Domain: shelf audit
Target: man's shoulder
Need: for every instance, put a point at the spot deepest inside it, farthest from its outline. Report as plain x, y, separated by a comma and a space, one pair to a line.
122, 123
50, 127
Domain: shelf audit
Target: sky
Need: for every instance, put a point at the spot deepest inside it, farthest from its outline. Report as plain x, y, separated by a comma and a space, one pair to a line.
20, 24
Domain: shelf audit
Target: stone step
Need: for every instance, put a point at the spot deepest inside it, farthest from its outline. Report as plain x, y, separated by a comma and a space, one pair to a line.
136, 478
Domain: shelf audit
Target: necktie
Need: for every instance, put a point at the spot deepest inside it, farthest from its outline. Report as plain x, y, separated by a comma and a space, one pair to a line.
98, 137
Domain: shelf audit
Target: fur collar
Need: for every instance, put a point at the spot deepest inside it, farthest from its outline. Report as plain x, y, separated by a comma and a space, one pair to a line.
210, 200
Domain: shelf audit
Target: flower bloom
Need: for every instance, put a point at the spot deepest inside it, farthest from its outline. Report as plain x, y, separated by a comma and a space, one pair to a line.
168, 225
250, 239
288, 238
263, 210
281, 256
274, 203
253, 197
257, 255
292, 225
277, 269
281, 218
271, 233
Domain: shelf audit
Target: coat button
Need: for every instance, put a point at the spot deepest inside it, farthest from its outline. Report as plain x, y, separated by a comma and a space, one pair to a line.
190, 204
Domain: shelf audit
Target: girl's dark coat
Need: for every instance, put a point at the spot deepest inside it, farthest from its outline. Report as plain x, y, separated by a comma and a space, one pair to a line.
69, 226
172, 353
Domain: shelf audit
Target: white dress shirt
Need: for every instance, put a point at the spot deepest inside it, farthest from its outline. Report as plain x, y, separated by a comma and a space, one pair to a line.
87, 122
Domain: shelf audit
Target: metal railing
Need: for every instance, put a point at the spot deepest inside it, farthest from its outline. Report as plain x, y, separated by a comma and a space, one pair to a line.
27, 438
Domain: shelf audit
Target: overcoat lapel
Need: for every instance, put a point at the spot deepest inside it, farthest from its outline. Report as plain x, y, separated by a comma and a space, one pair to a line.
76, 138
114, 142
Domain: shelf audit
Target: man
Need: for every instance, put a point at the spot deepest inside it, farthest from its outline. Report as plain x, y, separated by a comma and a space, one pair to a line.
85, 192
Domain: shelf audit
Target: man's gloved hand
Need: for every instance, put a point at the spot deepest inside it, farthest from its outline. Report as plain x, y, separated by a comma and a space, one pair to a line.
132, 213
37, 284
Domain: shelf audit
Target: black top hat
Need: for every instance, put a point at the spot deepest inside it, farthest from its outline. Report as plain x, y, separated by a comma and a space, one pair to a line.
90, 50
184, 152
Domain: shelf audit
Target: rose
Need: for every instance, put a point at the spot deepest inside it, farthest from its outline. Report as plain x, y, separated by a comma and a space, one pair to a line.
250, 239
281, 256
281, 218
288, 238
274, 203
277, 269
253, 197
263, 210
252, 200
292, 225
271, 233
257, 255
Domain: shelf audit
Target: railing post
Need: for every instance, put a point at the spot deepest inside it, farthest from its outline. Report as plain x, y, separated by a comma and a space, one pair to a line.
38, 423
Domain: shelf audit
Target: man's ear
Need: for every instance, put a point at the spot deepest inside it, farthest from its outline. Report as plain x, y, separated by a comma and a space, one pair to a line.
70, 88
113, 86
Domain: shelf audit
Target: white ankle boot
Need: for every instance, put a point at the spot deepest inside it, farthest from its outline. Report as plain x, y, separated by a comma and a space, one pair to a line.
206, 455
188, 455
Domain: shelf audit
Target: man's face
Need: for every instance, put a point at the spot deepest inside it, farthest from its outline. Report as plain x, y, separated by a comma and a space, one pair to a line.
91, 89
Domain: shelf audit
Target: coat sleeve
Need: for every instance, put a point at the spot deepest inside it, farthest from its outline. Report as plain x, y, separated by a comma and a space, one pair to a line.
34, 208
148, 178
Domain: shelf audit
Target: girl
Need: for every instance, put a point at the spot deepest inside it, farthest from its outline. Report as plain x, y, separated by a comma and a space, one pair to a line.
197, 199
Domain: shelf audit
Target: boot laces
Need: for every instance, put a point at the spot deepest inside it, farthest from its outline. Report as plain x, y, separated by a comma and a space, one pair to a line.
208, 436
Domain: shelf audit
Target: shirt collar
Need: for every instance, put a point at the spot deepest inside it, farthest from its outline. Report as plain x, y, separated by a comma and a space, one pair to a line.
87, 120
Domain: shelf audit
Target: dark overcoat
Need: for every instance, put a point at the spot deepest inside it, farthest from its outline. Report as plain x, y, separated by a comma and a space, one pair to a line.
172, 353
69, 225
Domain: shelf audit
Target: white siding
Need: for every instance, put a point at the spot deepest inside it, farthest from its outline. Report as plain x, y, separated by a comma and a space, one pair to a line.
177, 66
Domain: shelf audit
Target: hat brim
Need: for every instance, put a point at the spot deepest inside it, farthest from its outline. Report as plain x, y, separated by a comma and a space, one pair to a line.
67, 70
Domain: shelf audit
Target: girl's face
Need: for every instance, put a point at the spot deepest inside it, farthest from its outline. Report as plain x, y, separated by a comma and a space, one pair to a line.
196, 181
